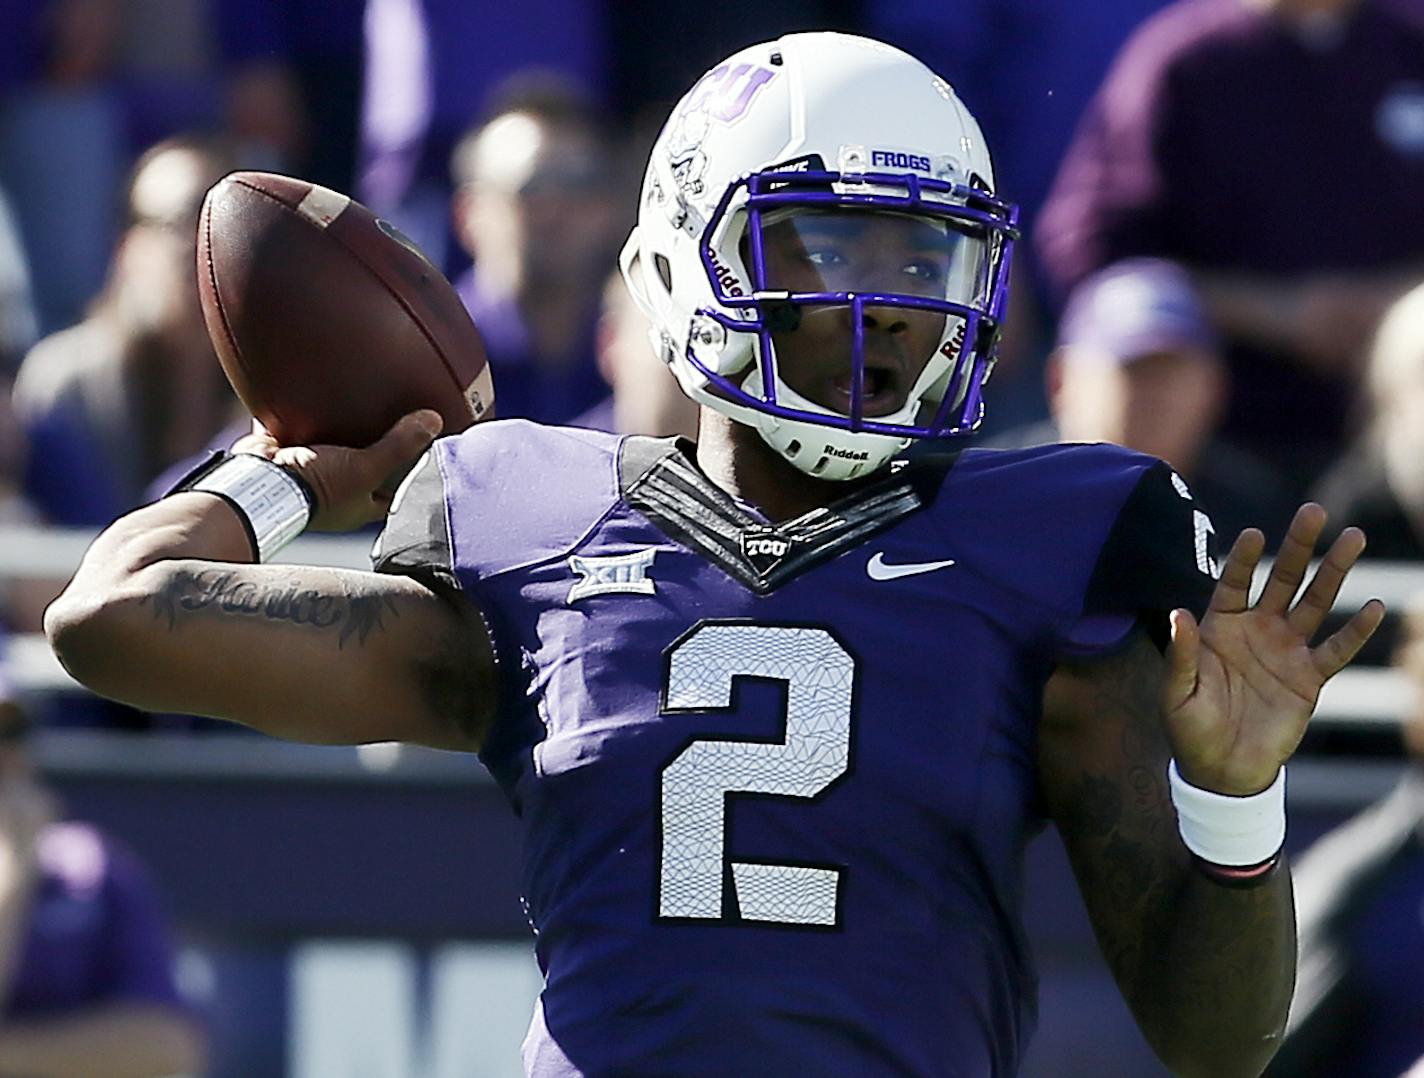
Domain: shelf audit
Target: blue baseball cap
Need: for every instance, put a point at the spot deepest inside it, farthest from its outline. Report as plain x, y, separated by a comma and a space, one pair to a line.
1134, 308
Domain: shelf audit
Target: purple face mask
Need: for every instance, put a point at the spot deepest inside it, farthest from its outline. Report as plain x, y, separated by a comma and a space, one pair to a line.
976, 234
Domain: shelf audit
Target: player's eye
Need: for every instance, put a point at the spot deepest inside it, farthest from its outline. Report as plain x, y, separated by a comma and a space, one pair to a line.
825, 256
927, 270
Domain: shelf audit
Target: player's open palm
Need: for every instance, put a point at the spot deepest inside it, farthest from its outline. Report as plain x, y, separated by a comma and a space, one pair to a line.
1242, 685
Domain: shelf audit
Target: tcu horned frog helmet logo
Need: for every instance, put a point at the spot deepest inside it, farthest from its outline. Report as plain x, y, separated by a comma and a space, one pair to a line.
806, 128
722, 96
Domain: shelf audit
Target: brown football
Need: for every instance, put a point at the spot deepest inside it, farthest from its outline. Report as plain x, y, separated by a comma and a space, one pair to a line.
330, 324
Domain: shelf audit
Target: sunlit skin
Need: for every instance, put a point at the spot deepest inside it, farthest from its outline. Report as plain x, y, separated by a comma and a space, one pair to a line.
863, 252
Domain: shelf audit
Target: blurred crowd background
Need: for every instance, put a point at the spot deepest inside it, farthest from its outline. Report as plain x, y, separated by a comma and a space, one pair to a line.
1222, 264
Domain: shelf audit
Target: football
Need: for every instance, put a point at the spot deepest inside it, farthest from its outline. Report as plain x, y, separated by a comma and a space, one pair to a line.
329, 323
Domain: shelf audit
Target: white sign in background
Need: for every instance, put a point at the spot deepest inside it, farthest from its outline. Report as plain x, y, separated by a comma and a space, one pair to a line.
356, 1009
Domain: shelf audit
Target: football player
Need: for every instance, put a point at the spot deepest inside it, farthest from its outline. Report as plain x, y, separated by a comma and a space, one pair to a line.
779, 710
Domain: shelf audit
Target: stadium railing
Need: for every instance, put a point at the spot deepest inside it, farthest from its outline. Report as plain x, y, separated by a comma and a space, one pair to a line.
1359, 696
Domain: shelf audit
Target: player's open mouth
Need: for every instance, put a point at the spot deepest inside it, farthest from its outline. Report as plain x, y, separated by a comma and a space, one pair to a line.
882, 393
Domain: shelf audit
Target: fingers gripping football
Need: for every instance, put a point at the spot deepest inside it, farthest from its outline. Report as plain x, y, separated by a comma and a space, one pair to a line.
1242, 685
353, 487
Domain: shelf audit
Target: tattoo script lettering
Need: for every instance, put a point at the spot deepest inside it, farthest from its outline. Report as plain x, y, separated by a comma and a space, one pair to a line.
225, 592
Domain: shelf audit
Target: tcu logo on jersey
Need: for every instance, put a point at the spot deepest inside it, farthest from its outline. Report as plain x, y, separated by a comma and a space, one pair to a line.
767, 546
764, 547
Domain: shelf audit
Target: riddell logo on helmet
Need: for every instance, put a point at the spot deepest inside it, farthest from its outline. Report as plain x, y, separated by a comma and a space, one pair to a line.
951, 348
844, 454
728, 280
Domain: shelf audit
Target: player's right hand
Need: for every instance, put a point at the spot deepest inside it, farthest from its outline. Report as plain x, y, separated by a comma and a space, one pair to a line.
1244, 682
353, 487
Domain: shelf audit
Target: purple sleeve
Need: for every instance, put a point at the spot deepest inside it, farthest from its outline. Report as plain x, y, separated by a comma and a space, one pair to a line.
138, 952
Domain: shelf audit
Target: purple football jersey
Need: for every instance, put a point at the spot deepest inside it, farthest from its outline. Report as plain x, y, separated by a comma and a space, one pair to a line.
776, 780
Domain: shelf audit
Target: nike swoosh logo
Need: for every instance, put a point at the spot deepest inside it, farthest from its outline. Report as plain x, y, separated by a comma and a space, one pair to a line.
876, 568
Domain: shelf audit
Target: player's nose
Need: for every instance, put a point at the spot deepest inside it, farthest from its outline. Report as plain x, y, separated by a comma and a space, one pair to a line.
882, 317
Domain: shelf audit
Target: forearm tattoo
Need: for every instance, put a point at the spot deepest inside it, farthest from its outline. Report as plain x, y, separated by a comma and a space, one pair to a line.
1173, 939
222, 591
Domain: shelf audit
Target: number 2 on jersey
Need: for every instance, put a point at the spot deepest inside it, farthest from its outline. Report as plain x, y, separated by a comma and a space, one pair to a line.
819, 675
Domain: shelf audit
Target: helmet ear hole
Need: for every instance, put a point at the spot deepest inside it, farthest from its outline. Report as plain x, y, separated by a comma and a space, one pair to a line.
664, 268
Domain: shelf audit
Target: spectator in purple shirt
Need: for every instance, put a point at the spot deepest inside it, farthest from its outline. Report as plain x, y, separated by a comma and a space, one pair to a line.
535, 208
1276, 147
110, 402
86, 967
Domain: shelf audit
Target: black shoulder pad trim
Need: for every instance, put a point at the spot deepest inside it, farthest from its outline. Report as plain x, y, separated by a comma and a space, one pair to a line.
416, 539
1159, 555
639, 454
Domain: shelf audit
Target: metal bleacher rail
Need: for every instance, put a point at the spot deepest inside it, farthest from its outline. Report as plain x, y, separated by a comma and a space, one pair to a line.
52, 554
1361, 698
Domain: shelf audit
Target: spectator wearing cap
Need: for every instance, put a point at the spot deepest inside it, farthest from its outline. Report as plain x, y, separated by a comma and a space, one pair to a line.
1137, 363
1379, 484
86, 966
1276, 149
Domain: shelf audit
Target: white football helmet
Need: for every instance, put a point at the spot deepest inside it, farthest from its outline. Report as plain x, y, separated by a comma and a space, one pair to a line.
820, 125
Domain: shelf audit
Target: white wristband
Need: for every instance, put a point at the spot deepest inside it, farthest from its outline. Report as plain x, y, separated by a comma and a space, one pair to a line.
272, 500
1226, 830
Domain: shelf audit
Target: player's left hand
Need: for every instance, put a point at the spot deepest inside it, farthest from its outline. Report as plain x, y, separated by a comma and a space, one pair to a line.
1242, 685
